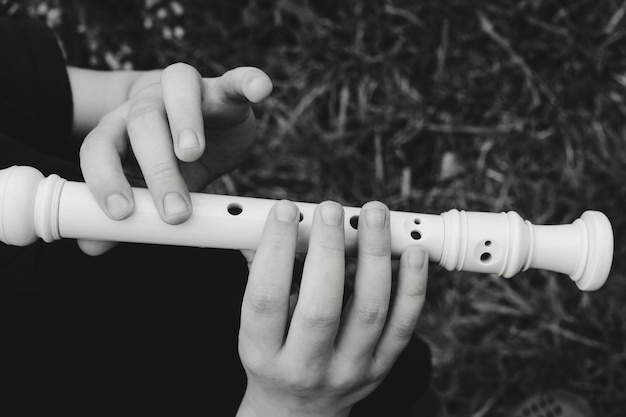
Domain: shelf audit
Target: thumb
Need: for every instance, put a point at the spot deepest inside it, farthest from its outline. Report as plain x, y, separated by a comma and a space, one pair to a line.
249, 255
95, 247
245, 83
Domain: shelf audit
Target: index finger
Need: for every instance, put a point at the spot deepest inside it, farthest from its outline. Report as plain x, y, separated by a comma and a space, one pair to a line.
265, 306
317, 314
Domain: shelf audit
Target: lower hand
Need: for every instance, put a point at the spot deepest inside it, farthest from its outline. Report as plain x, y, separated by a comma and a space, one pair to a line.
324, 357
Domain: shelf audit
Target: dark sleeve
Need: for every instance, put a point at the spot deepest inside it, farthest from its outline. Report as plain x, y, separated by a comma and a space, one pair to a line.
35, 94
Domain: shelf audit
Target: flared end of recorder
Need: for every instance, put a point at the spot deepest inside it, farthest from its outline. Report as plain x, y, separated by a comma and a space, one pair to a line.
599, 251
18, 187
5, 179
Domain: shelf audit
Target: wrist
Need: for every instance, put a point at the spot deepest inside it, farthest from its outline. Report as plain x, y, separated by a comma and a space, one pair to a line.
96, 93
271, 406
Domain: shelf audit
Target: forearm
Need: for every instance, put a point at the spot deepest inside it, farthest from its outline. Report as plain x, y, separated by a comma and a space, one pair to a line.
96, 93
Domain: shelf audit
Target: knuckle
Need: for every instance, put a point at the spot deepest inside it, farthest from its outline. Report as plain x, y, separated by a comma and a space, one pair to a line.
414, 288
162, 170
144, 112
86, 147
111, 119
100, 137
349, 377
327, 249
404, 327
320, 316
377, 373
152, 90
305, 381
264, 301
178, 67
416, 292
98, 140
252, 360
371, 313
377, 250
279, 236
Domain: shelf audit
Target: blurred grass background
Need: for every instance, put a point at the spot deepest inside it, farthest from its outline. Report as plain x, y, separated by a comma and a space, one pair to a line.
426, 106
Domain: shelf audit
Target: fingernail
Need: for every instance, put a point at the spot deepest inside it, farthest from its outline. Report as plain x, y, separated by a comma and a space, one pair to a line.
332, 214
117, 205
417, 259
187, 139
375, 218
174, 203
285, 211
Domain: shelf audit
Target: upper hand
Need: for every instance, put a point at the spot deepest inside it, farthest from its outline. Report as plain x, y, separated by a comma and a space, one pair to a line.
175, 133
326, 356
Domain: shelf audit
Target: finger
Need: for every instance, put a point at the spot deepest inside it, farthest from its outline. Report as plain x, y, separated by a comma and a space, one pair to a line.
367, 311
265, 306
100, 161
182, 95
226, 99
150, 139
95, 247
317, 314
407, 304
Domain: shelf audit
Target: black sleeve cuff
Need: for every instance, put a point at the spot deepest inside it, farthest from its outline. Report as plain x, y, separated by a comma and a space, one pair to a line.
35, 92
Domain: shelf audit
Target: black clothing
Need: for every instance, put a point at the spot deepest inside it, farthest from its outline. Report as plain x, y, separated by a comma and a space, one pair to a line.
141, 330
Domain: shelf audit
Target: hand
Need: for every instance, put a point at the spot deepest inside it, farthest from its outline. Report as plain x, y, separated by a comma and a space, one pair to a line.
184, 131
325, 357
